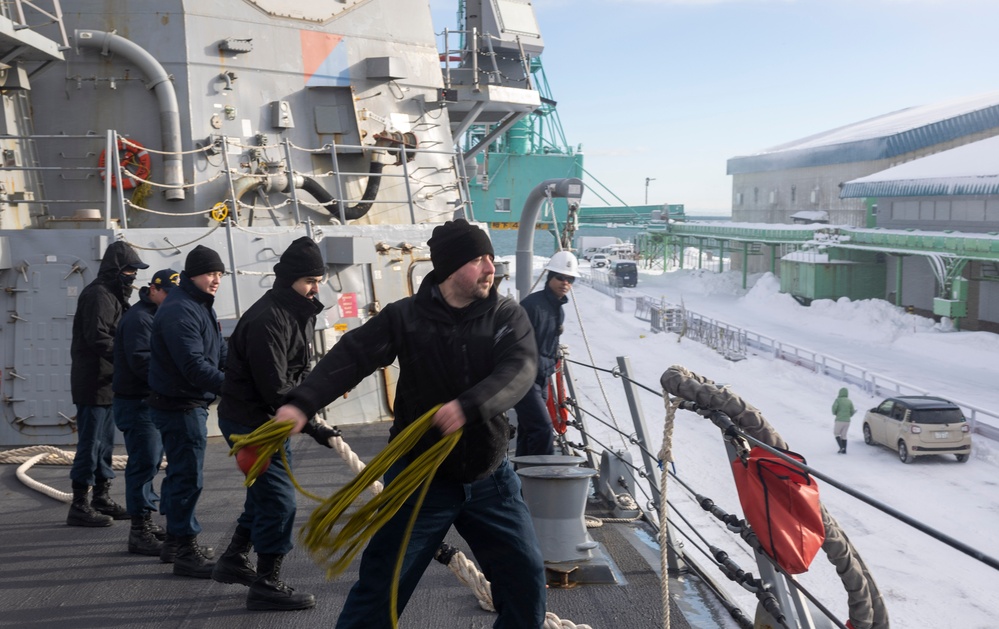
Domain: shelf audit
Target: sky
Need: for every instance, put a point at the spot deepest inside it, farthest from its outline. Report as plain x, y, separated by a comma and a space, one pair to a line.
924, 582
672, 89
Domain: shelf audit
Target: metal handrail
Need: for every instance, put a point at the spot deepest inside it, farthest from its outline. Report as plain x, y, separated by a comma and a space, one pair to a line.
55, 15
873, 383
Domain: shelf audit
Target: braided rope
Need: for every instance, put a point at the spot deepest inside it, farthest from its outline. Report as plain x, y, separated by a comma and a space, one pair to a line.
145, 209
183, 186
554, 622
289, 230
125, 140
356, 464
174, 247
47, 455
469, 574
665, 458
866, 605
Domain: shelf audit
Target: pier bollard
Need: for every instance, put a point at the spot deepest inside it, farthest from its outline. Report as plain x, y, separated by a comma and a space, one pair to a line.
538, 460
556, 497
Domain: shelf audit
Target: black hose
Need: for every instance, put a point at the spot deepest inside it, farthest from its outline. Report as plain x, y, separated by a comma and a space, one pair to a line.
350, 213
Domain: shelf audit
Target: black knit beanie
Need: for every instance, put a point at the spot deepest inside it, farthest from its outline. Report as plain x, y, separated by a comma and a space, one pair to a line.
455, 243
203, 260
302, 258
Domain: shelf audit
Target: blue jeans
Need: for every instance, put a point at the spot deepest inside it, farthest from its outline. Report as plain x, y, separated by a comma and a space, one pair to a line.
491, 516
269, 508
185, 435
145, 450
94, 444
534, 424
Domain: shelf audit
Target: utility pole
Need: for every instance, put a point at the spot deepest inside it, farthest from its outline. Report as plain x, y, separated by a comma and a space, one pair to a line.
647, 180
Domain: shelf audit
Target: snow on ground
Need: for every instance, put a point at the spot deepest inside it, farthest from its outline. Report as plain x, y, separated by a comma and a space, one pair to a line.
923, 581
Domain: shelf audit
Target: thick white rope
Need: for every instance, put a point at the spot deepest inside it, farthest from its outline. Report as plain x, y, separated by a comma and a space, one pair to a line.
47, 455
469, 574
356, 465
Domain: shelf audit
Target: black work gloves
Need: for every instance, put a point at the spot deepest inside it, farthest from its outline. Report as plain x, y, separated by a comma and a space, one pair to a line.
321, 431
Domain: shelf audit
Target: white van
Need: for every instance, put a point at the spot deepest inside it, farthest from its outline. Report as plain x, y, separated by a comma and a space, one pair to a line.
613, 252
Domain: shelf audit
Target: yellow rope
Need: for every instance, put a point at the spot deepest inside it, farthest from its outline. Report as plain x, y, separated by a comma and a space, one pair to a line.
336, 552
268, 439
317, 533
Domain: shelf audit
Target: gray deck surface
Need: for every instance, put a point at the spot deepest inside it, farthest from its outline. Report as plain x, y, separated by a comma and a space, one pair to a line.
54, 575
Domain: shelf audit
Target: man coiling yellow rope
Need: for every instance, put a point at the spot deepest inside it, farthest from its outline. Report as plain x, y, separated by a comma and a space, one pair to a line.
335, 552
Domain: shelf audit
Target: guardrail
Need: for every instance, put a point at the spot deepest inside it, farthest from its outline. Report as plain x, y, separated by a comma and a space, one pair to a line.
732, 341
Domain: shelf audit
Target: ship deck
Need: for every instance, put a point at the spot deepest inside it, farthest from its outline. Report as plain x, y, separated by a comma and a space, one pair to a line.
52, 574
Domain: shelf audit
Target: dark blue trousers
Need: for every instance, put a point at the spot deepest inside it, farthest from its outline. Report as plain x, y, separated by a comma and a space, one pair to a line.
185, 435
269, 507
145, 451
534, 424
94, 444
491, 516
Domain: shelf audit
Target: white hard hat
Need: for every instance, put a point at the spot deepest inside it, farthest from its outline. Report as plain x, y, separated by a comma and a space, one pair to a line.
565, 263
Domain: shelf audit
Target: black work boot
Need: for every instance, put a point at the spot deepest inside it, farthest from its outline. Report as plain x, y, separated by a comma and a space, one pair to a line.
141, 539
103, 503
234, 566
268, 592
158, 531
81, 513
190, 561
169, 551
843, 449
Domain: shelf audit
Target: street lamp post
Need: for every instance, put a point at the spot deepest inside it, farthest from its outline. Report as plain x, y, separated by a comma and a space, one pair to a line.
647, 180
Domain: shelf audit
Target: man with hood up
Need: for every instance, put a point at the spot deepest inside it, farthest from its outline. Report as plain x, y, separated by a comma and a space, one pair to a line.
98, 311
270, 352
131, 413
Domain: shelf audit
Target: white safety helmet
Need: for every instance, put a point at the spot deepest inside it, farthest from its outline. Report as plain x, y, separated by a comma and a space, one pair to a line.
565, 263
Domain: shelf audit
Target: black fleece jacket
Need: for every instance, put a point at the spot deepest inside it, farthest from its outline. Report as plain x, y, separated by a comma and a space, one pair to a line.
483, 355
269, 353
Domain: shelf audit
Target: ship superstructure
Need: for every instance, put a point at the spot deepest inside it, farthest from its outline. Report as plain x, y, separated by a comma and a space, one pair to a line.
239, 125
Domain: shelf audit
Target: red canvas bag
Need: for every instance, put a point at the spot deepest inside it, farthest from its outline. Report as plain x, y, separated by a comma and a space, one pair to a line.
781, 504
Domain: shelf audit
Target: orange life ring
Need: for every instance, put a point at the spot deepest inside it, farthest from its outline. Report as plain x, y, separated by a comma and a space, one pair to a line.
134, 159
557, 408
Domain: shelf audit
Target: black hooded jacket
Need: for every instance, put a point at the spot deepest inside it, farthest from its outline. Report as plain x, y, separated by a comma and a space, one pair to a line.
270, 352
98, 310
483, 355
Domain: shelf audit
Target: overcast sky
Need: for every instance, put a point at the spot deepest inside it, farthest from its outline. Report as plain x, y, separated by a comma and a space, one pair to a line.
671, 89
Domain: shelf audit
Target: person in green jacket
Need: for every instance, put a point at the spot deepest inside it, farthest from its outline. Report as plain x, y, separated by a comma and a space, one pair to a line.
843, 409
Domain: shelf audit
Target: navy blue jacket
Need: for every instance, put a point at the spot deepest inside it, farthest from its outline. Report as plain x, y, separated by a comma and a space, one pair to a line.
544, 309
270, 351
481, 355
131, 349
187, 352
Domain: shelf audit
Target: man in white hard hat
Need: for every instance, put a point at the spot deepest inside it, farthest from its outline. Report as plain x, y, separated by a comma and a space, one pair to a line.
544, 309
